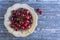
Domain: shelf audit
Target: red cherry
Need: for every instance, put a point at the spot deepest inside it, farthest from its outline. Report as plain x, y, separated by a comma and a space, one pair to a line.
13, 21
22, 15
12, 25
28, 26
21, 22
13, 12
30, 21
18, 14
27, 12
18, 25
27, 21
27, 17
39, 11
11, 18
25, 24
22, 28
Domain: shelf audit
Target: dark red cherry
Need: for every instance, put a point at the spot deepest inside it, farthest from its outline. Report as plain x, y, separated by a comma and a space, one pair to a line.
39, 11
28, 26
13, 12
18, 14
11, 18
12, 25
17, 24
22, 15
21, 22
25, 24
27, 21
27, 17
22, 27
31, 21
27, 12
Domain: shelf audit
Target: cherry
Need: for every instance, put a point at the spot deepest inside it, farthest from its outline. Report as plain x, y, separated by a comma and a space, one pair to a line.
28, 26
27, 21
25, 24
22, 15
27, 17
12, 25
39, 11
13, 12
21, 22
18, 25
11, 18
22, 27
30, 21
18, 14
27, 12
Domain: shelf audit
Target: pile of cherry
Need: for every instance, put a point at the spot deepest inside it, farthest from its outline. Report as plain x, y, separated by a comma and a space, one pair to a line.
21, 19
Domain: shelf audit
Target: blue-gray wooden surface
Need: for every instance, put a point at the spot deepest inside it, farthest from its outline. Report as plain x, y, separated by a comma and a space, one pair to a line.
48, 24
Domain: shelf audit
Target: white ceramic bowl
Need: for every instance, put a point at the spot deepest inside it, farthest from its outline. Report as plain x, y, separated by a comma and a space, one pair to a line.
20, 33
